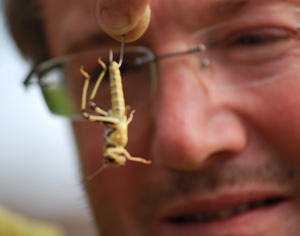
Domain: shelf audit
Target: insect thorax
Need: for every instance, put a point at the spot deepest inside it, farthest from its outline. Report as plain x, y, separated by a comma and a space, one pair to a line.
116, 135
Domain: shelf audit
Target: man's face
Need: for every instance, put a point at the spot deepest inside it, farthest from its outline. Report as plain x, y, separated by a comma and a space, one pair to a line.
224, 162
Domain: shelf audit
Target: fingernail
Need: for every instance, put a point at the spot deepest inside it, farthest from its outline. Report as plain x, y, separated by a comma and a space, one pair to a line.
114, 19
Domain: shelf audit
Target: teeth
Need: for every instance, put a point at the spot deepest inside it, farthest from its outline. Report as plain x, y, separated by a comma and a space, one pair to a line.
223, 214
232, 211
257, 204
242, 208
229, 212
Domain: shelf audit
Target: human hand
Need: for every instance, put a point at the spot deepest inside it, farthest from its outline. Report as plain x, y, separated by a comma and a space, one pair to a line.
119, 17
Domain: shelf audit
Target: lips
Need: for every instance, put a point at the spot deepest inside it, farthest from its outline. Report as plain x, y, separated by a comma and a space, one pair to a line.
221, 206
207, 215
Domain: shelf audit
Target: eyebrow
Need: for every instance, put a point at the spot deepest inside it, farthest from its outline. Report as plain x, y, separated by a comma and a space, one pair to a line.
230, 7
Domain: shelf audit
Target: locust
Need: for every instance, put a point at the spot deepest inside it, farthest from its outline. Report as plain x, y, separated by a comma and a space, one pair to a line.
115, 120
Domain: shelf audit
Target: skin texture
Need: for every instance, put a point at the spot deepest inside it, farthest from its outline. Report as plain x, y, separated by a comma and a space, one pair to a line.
131, 18
208, 148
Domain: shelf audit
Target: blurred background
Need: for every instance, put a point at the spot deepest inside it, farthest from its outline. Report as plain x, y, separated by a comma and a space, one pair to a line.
39, 175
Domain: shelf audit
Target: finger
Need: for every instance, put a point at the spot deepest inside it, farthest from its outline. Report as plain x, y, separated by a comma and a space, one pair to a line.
119, 17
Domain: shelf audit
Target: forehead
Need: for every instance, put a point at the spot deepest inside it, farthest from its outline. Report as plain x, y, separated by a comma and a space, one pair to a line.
70, 22
64, 20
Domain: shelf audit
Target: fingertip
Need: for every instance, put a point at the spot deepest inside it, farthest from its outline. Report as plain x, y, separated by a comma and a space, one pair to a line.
116, 23
141, 26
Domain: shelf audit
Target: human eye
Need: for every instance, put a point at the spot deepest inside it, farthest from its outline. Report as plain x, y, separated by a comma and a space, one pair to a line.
95, 73
129, 69
258, 37
257, 44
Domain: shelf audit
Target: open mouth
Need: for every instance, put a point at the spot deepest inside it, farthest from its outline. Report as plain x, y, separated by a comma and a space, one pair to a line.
209, 216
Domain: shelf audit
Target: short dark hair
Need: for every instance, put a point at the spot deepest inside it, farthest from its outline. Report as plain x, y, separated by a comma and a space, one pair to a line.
24, 21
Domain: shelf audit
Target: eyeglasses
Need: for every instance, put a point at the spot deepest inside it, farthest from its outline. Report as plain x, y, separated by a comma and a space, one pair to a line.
243, 52
62, 83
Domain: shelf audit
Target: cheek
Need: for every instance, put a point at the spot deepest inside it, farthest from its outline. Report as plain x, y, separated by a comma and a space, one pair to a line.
274, 110
140, 132
112, 196
89, 140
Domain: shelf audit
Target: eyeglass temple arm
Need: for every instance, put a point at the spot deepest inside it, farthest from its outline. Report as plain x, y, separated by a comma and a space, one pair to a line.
27, 79
147, 60
140, 61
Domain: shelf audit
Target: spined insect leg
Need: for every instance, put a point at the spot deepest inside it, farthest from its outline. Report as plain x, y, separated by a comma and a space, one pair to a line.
118, 154
92, 104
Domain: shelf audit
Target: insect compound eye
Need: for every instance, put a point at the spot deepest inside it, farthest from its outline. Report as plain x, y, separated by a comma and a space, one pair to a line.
108, 159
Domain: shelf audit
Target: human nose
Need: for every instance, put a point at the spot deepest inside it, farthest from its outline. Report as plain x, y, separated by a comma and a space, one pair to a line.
192, 122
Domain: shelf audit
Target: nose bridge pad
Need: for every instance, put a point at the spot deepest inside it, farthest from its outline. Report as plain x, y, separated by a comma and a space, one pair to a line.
202, 66
197, 54
180, 84
176, 114
187, 68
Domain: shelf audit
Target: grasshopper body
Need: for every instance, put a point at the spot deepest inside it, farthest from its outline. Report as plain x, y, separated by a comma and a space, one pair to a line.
115, 119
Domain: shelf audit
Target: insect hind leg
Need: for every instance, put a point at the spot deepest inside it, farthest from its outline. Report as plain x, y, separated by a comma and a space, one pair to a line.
118, 152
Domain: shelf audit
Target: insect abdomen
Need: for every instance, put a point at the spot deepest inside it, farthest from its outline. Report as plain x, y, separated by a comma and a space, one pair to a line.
116, 90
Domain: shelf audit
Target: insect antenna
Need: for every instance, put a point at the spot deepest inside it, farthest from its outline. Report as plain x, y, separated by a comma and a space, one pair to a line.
88, 178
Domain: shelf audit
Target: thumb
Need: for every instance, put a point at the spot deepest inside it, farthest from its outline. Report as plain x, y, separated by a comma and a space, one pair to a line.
119, 17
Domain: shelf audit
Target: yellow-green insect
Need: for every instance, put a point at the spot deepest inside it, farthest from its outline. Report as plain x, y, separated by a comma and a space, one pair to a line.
115, 119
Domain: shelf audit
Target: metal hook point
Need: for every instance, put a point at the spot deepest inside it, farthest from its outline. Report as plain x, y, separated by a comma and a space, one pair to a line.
122, 50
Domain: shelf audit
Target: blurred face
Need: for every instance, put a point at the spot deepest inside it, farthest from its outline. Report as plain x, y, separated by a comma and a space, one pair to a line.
224, 161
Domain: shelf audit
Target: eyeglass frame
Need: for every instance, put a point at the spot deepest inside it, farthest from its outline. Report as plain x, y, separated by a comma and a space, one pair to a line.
152, 58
